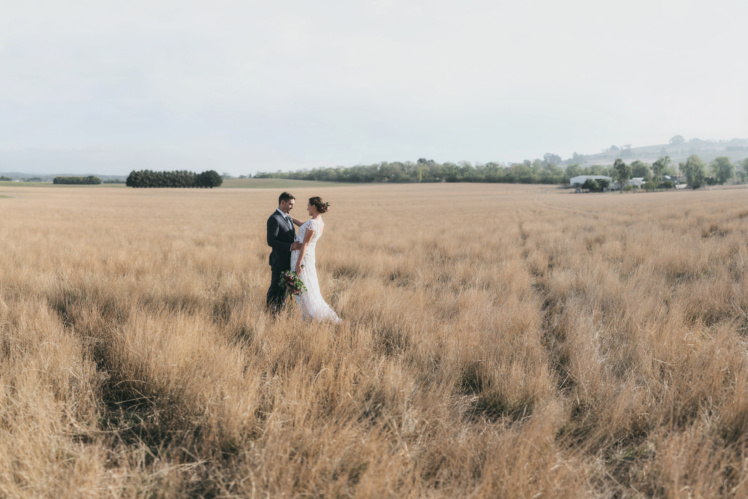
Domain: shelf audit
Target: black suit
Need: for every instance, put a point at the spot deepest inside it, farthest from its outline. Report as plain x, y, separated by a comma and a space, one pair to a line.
281, 234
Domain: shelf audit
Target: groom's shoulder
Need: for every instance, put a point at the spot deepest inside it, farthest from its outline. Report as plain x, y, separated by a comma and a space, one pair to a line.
274, 216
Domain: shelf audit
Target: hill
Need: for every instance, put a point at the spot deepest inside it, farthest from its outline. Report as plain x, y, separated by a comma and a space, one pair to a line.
678, 149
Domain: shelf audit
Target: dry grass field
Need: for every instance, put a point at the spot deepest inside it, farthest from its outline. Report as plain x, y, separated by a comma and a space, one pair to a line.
498, 341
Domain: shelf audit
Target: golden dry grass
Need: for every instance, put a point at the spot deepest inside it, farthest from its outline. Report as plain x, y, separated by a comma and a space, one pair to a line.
499, 341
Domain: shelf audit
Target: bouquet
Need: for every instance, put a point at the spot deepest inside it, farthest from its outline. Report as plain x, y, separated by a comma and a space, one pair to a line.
291, 283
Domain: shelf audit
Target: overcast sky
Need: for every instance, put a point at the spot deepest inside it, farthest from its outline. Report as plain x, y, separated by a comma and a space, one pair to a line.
241, 86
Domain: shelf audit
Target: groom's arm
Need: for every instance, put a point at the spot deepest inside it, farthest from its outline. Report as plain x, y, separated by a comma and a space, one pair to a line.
273, 232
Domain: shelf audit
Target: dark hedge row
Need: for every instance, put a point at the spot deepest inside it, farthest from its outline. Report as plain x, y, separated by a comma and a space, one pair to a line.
90, 180
180, 178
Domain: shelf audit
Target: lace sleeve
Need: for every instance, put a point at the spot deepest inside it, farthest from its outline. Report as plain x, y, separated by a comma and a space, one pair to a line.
313, 225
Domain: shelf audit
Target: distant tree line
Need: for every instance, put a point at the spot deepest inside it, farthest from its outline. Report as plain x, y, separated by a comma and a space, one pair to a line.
181, 178
114, 181
5, 179
527, 172
545, 171
720, 171
539, 171
697, 173
89, 180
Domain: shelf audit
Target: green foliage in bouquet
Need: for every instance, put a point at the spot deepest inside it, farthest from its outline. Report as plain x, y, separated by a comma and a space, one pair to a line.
291, 283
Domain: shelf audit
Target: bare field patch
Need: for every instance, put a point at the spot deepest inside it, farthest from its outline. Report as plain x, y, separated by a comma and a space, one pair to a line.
498, 341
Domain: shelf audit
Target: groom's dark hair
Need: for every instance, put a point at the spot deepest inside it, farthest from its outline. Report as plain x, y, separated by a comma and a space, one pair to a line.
285, 197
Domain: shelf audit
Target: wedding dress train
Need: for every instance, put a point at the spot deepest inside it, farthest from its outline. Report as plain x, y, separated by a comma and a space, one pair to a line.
312, 305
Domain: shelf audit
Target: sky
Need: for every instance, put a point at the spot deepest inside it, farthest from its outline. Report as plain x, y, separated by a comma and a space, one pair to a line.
109, 86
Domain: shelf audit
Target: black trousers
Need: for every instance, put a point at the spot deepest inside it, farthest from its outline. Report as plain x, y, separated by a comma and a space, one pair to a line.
276, 298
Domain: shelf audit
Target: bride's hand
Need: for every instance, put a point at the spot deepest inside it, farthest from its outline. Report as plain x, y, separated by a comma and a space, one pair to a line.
298, 269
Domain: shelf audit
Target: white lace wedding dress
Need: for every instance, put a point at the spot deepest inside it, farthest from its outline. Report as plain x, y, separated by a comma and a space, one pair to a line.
312, 305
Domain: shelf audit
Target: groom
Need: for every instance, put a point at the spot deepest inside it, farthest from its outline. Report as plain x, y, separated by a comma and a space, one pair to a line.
281, 234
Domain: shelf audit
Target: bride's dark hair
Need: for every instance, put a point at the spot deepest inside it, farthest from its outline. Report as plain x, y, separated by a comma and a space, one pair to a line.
316, 201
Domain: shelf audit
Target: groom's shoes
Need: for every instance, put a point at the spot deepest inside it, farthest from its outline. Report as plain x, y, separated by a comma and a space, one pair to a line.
276, 309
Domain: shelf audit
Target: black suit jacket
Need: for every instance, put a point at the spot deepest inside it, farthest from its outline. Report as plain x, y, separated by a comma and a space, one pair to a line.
280, 237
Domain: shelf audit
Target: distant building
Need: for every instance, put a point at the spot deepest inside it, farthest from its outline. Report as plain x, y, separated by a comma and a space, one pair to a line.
674, 178
636, 181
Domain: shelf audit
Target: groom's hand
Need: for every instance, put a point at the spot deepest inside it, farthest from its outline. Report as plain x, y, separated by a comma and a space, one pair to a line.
295, 246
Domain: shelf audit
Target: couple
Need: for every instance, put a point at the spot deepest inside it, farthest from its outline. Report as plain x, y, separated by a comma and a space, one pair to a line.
296, 252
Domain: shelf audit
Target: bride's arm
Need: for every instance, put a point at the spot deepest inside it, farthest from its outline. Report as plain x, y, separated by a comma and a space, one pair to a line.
297, 222
307, 237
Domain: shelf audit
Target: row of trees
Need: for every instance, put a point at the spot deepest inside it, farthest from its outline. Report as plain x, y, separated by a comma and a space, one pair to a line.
89, 180
721, 170
543, 171
527, 172
181, 178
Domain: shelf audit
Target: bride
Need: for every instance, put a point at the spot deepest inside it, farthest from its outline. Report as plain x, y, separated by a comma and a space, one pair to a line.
313, 306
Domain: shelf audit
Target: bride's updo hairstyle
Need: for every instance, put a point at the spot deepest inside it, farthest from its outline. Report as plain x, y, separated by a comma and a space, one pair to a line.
316, 201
